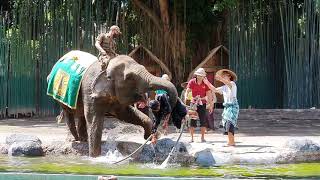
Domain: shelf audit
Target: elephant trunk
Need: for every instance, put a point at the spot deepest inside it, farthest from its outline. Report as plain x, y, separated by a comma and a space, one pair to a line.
156, 83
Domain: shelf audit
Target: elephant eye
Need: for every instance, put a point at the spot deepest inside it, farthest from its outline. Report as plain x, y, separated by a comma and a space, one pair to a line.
108, 77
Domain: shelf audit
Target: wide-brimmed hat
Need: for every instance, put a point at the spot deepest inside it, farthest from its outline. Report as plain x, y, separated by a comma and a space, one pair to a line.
200, 72
184, 84
232, 74
116, 28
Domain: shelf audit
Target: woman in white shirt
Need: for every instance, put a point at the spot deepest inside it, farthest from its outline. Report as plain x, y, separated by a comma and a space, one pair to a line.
231, 106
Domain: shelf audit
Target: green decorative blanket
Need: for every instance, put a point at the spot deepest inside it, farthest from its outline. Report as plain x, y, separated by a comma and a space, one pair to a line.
65, 77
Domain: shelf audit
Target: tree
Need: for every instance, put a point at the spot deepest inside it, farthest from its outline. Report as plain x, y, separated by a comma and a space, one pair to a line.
188, 30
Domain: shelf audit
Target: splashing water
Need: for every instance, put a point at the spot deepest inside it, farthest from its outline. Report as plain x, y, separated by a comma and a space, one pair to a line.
110, 157
110, 153
165, 163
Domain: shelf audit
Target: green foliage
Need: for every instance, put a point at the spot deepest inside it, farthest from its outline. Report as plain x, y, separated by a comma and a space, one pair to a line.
274, 50
201, 18
200, 21
222, 5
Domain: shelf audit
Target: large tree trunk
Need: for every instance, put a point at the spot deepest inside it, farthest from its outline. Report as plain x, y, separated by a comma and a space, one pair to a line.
164, 12
173, 39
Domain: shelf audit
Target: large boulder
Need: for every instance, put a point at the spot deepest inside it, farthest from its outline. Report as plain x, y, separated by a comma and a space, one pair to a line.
161, 150
24, 145
17, 138
28, 148
205, 158
127, 147
299, 151
147, 154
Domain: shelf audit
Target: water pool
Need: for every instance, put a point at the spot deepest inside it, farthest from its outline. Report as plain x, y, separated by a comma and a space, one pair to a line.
85, 168
35, 176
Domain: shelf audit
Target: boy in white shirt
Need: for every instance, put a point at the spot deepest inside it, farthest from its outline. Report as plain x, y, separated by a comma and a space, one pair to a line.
231, 106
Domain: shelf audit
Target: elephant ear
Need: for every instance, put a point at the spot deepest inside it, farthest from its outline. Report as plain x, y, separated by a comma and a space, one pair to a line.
100, 85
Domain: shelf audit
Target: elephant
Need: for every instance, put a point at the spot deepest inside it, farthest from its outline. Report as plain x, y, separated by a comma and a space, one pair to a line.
113, 91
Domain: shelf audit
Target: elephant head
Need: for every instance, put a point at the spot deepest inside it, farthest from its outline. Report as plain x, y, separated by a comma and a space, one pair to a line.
131, 80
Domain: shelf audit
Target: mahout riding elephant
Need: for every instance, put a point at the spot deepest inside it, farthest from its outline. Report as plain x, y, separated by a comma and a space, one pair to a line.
113, 91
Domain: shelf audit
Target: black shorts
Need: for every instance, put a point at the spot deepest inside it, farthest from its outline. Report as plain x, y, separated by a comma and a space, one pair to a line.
229, 127
202, 113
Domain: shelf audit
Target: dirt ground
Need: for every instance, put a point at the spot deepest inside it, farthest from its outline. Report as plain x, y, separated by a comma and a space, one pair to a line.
256, 129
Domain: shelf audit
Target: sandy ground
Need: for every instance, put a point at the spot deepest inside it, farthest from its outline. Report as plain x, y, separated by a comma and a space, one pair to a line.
262, 138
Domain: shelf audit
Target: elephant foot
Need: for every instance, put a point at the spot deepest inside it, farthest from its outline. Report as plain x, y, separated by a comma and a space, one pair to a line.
82, 134
95, 153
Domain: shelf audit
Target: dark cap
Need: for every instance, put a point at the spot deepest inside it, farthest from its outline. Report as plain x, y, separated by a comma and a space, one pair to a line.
154, 104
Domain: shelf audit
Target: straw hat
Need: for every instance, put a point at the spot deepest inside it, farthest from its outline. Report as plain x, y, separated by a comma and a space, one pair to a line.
116, 28
184, 84
200, 72
232, 74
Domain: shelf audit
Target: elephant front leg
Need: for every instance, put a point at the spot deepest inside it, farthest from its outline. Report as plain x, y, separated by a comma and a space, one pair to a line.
132, 115
94, 119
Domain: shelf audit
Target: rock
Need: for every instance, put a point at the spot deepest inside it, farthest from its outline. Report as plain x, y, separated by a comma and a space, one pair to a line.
81, 148
65, 148
76, 148
127, 147
28, 148
299, 151
147, 154
22, 144
204, 158
164, 146
17, 138
3, 149
302, 145
161, 151
57, 147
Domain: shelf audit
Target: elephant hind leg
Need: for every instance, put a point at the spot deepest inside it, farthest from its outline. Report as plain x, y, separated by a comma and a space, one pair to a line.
82, 129
69, 117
